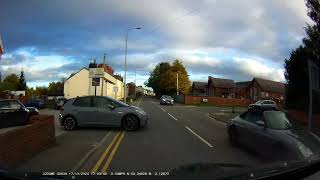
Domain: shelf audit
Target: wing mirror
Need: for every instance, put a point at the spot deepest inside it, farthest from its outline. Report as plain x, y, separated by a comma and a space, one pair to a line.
261, 123
112, 106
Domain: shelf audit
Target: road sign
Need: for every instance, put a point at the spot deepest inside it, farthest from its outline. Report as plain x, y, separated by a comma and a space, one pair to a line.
96, 72
95, 81
115, 89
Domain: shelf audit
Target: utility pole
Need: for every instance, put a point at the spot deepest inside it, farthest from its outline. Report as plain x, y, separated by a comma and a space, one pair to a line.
104, 63
177, 84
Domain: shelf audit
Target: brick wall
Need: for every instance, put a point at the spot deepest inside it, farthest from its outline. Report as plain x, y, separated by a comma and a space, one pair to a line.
217, 101
22, 142
302, 117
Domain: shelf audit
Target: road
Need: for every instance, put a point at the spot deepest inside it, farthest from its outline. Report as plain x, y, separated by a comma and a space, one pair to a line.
177, 135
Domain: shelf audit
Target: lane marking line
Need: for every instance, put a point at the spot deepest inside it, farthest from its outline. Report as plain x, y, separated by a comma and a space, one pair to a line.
203, 140
162, 109
172, 117
215, 120
86, 156
113, 152
139, 101
102, 157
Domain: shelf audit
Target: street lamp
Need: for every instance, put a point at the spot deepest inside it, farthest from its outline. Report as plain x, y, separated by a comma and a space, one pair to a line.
125, 64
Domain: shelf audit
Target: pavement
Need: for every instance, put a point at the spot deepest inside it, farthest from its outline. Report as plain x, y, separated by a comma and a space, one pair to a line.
58, 129
176, 135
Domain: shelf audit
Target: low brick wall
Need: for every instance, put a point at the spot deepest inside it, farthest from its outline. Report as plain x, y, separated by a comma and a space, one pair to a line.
302, 117
219, 101
22, 142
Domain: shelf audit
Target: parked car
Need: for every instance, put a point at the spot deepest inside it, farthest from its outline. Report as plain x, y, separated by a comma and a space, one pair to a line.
59, 102
37, 103
165, 99
101, 111
14, 113
271, 134
264, 104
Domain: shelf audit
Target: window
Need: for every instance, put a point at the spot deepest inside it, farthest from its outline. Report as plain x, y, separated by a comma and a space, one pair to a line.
15, 105
83, 102
4, 104
101, 102
277, 120
253, 116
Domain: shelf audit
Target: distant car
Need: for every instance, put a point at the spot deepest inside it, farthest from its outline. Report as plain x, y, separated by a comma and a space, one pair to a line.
264, 104
14, 113
271, 134
165, 99
37, 103
101, 111
58, 103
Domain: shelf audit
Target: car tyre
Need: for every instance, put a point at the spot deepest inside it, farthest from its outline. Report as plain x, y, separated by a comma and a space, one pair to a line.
70, 123
233, 137
130, 123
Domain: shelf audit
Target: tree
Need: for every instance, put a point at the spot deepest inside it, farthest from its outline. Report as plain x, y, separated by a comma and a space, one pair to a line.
296, 69
22, 82
163, 78
55, 87
10, 83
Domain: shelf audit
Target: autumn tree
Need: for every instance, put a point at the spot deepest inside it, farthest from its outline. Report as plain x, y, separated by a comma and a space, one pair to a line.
10, 83
163, 78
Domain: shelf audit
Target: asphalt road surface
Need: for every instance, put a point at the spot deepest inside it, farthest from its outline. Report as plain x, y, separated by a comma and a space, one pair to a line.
177, 135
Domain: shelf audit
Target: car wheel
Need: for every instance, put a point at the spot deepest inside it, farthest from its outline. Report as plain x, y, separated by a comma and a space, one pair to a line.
233, 137
130, 123
70, 123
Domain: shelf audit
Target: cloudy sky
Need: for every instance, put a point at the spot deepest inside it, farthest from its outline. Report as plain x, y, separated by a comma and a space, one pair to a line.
222, 38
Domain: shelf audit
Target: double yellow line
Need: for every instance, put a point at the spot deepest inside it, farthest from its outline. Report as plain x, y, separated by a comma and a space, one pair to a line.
114, 144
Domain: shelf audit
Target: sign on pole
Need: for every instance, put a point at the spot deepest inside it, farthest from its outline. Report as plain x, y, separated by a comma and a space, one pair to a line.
115, 89
95, 81
96, 72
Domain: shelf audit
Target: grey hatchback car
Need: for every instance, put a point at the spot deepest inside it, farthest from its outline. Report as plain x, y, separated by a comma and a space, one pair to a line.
101, 111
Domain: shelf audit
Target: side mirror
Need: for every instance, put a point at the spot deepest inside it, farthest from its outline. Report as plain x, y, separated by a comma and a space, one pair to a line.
111, 106
260, 123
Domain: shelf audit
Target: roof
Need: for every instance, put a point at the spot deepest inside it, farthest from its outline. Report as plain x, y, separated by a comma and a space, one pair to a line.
199, 85
221, 83
242, 84
271, 86
75, 73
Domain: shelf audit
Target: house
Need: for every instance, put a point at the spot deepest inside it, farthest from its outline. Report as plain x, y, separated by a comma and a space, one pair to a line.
199, 88
80, 84
266, 89
241, 89
131, 89
220, 87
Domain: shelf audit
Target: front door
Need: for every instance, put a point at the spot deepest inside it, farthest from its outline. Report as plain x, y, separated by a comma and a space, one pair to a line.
105, 115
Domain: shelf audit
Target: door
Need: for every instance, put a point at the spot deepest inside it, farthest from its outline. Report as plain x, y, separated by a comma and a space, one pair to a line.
4, 113
105, 115
83, 110
18, 115
249, 128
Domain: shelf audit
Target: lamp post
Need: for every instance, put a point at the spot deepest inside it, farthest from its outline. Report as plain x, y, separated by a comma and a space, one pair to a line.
125, 64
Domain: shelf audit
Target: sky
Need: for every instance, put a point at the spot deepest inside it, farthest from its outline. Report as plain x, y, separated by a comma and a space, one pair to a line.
231, 39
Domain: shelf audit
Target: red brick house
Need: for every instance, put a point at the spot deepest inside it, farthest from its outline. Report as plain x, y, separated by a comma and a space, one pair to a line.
266, 89
199, 88
242, 89
220, 87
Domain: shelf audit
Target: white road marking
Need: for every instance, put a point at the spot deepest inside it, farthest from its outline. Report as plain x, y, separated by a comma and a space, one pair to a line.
139, 102
203, 140
162, 109
172, 117
86, 156
220, 122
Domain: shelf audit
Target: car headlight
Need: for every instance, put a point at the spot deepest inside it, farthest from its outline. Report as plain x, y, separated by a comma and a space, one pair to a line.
141, 112
305, 151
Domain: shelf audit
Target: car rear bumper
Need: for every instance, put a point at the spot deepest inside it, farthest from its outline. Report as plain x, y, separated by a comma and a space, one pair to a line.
166, 102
